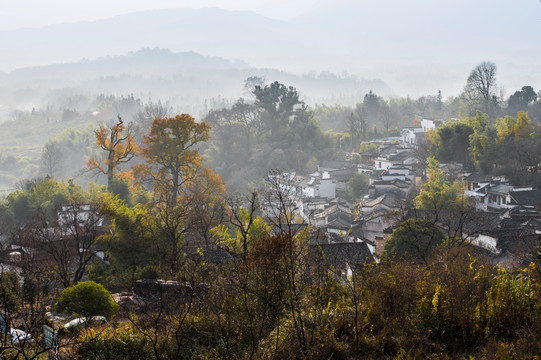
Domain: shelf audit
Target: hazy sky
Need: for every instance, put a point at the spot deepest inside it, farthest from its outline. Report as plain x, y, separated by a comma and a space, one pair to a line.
410, 41
36, 13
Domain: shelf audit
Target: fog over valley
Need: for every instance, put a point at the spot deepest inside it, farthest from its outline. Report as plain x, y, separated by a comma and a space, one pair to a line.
270, 179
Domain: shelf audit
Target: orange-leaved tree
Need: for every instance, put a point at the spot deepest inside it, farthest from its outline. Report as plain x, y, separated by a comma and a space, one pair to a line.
119, 146
172, 159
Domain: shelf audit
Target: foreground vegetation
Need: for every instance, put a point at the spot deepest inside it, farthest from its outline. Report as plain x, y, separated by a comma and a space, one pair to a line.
272, 305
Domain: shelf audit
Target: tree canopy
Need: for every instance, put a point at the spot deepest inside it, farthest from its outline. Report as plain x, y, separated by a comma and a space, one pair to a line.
172, 156
119, 146
413, 239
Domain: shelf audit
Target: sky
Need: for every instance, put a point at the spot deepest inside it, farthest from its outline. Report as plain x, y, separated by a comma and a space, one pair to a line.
406, 43
16, 14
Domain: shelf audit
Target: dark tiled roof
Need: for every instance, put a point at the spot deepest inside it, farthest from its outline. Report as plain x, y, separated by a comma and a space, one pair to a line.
516, 240
389, 199
522, 212
401, 156
476, 177
396, 182
334, 164
500, 189
341, 255
376, 174
343, 174
453, 223
341, 222
527, 197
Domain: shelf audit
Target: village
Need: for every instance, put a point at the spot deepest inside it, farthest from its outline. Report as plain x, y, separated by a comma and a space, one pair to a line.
502, 219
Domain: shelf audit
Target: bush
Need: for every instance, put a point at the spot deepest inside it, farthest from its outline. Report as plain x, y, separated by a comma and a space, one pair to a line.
107, 343
86, 299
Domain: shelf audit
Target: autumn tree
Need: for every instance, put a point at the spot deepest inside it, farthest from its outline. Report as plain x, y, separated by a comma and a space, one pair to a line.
119, 146
206, 202
482, 142
172, 159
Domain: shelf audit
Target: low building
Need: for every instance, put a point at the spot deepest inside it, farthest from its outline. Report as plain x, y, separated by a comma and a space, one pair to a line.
412, 137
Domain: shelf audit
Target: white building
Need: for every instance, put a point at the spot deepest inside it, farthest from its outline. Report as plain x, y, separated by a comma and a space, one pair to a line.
412, 137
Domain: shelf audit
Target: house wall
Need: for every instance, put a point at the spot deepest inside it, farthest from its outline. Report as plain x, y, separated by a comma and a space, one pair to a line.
308, 191
382, 164
486, 242
379, 190
410, 138
428, 124
498, 201
326, 188
373, 228
481, 203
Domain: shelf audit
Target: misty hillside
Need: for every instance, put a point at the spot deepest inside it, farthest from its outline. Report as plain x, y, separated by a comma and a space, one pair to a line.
190, 81
148, 62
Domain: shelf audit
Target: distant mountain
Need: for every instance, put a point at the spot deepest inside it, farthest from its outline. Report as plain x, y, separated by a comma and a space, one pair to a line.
145, 62
206, 31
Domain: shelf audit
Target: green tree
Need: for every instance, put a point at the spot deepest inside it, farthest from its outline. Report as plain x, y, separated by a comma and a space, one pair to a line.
371, 106
131, 243
86, 299
438, 193
10, 293
278, 101
482, 142
521, 99
357, 186
451, 142
413, 239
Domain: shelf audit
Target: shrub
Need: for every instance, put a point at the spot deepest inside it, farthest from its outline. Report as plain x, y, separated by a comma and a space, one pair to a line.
86, 299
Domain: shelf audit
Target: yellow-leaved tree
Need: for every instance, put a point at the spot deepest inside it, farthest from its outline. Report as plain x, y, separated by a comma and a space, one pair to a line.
119, 146
172, 159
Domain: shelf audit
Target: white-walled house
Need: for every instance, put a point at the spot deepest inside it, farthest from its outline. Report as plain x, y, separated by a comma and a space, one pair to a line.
320, 187
412, 137
428, 124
